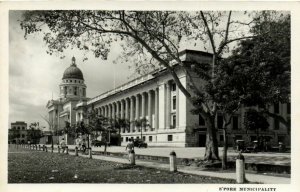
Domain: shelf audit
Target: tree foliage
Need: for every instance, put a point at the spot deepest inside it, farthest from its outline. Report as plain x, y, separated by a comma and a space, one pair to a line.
255, 121
158, 35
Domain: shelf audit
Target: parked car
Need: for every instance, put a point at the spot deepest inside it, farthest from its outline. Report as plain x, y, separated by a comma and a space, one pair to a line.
140, 143
97, 143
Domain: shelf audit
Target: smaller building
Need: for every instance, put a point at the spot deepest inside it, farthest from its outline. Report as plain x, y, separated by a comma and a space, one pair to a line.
18, 132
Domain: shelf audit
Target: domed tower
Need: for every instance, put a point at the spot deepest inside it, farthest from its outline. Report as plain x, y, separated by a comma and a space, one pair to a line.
72, 85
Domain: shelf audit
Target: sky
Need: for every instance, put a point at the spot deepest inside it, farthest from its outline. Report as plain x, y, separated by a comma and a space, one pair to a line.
34, 75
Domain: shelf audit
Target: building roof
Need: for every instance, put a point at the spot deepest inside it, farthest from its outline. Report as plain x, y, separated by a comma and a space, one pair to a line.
19, 123
73, 72
185, 55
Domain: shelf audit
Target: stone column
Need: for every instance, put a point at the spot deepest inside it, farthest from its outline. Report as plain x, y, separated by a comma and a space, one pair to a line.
177, 107
118, 110
131, 114
137, 107
168, 106
122, 109
143, 107
150, 109
156, 111
113, 110
161, 106
109, 111
126, 109
106, 111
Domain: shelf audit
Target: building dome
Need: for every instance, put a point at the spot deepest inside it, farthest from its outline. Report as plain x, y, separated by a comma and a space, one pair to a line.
73, 72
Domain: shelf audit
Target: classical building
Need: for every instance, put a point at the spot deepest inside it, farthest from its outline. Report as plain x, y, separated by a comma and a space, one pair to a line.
156, 97
72, 90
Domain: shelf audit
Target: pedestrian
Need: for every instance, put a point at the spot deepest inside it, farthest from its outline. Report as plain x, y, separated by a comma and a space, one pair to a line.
129, 147
63, 144
78, 142
83, 145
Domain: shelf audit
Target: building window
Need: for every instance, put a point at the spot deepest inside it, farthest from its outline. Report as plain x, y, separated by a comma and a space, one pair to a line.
150, 138
173, 86
122, 139
173, 121
75, 90
220, 121
71, 81
201, 120
126, 139
288, 108
235, 122
23, 128
19, 128
170, 137
75, 81
83, 92
174, 102
276, 124
276, 108
144, 138
23, 135
65, 90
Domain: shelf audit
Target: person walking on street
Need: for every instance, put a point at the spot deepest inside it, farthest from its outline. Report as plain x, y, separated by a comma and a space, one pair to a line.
63, 144
129, 147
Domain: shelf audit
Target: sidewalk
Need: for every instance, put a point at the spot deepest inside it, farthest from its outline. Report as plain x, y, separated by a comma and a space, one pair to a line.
283, 159
250, 177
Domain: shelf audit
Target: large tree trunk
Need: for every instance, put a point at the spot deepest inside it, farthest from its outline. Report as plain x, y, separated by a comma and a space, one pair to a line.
52, 142
211, 151
225, 147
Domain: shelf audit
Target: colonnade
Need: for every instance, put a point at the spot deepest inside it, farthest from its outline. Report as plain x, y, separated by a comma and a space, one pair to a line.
141, 105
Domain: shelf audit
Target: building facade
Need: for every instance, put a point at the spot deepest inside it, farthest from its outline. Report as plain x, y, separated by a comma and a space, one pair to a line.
156, 97
72, 90
18, 132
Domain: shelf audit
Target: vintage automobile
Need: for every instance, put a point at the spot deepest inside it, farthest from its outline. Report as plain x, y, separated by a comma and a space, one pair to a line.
140, 143
97, 143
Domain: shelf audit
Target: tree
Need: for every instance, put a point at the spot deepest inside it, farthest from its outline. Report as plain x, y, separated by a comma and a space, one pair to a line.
255, 121
141, 124
51, 128
14, 134
157, 34
34, 133
256, 74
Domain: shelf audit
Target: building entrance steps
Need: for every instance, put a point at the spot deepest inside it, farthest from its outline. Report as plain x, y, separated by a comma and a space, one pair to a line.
266, 179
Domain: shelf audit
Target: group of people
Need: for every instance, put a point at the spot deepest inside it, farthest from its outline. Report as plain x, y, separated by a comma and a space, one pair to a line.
79, 142
81, 145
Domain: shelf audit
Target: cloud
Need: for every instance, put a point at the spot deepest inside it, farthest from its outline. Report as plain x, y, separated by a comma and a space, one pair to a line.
35, 75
